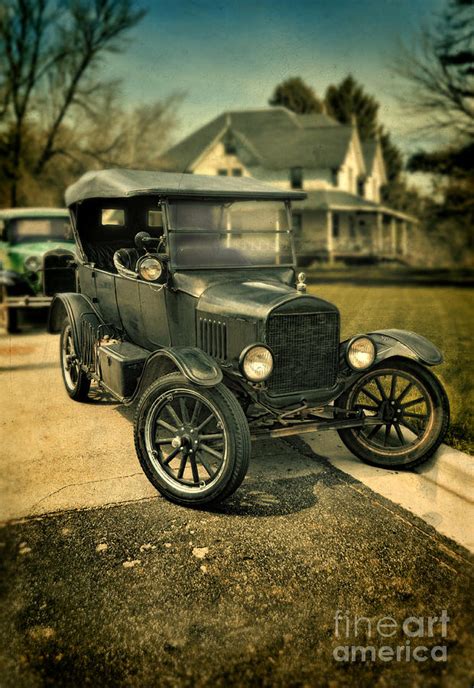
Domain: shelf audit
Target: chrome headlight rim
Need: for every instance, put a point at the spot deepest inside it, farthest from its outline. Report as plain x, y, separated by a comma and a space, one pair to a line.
32, 263
350, 345
244, 357
151, 261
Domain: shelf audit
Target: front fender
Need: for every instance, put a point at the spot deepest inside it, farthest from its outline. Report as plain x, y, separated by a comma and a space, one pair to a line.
401, 343
15, 283
405, 344
197, 366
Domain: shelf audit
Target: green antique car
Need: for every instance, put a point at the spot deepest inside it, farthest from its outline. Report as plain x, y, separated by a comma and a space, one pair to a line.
36, 260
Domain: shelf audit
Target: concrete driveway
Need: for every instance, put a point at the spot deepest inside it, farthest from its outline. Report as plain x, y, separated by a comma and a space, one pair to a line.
145, 593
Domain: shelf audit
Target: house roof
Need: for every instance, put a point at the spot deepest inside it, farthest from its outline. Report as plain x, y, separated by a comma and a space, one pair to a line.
276, 139
326, 199
313, 120
119, 183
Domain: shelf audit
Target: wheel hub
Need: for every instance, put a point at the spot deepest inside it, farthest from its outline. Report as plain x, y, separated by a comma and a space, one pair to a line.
187, 438
390, 411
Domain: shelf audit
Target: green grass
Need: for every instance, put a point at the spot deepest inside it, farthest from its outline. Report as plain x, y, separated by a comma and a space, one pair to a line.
445, 315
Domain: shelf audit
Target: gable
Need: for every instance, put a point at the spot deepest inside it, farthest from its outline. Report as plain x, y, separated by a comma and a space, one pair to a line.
354, 157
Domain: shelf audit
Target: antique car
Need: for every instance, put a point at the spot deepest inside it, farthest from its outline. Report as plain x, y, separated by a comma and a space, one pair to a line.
36, 260
188, 305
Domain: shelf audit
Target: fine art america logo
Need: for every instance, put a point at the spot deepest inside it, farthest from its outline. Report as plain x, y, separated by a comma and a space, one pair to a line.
389, 640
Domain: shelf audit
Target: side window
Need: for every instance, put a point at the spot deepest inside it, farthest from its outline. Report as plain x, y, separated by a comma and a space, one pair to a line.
155, 219
113, 217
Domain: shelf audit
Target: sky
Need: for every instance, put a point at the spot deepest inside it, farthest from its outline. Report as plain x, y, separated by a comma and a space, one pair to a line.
230, 55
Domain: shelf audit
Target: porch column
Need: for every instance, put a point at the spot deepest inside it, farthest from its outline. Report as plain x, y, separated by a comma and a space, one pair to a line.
393, 236
379, 240
404, 238
329, 237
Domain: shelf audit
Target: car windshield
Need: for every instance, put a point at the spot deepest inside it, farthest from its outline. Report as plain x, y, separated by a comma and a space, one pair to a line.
229, 234
41, 229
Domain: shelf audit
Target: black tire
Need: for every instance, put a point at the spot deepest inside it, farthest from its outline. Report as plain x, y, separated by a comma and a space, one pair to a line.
413, 410
8, 315
76, 382
159, 436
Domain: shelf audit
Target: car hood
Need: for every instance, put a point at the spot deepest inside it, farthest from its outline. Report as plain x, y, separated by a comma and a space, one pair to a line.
254, 299
39, 248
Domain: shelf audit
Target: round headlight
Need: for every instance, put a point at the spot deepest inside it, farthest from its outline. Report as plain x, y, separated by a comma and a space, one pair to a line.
32, 263
361, 353
257, 363
150, 269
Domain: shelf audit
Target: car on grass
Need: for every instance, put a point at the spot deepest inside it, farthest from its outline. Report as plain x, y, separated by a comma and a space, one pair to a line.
36, 260
190, 306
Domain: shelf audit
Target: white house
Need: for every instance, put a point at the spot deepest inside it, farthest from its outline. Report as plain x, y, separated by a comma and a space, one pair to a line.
343, 217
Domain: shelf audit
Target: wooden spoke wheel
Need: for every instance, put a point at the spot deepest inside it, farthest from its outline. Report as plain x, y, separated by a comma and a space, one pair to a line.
192, 442
75, 379
407, 414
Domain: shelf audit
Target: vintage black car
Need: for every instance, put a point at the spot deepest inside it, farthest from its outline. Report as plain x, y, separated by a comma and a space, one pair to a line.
189, 305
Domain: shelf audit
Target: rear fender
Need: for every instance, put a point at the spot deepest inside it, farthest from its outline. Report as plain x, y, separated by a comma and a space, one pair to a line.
75, 307
193, 363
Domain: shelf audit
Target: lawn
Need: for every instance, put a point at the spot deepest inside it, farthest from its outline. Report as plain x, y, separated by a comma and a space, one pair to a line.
445, 315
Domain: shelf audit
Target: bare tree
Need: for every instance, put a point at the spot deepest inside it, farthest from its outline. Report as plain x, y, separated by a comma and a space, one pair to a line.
112, 135
49, 54
440, 70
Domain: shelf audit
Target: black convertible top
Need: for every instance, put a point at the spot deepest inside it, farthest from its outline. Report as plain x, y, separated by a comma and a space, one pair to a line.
119, 183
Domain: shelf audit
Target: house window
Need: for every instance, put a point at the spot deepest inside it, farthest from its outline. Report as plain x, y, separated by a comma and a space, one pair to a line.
297, 223
360, 187
296, 177
335, 177
222, 172
335, 225
236, 172
352, 230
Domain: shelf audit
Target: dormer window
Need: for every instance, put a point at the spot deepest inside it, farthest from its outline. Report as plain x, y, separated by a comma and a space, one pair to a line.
360, 187
229, 145
335, 177
296, 177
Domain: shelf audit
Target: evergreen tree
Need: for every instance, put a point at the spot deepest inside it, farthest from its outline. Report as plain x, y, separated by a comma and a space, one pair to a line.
297, 96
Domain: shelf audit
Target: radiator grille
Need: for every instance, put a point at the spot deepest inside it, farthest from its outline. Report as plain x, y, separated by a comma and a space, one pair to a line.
58, 275
305, 348
212, 337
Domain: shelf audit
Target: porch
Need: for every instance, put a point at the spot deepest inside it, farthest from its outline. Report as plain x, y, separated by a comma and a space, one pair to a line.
340, 226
